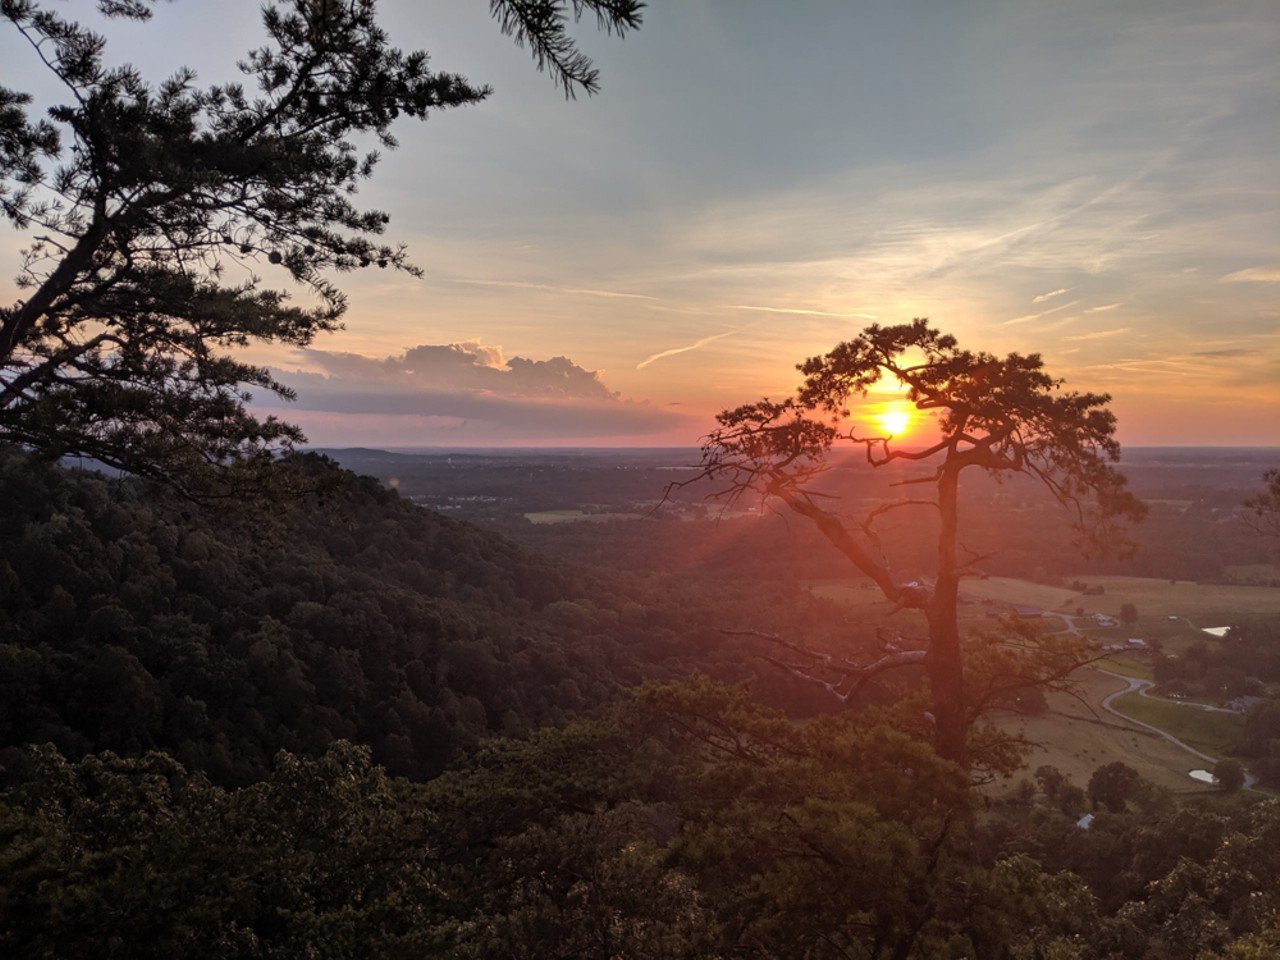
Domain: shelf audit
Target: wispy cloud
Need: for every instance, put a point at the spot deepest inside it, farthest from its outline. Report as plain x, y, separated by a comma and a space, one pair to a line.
806, 313
1049, 296
693, 346
1254, 275
580, 291
1224, 353
1036, 316
1104, 308
1098, 334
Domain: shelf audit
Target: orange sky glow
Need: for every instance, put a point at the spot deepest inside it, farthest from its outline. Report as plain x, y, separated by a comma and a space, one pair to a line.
1096, 184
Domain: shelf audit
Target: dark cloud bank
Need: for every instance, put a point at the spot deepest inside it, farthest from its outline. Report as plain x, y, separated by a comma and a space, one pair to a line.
466, 392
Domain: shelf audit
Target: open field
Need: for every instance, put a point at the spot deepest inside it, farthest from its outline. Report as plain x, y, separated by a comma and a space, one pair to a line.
1211, 731
1254, 573
1205, 605
574, 516
864, 596
1078, 737
1026, 593
1077, 741
1130, 666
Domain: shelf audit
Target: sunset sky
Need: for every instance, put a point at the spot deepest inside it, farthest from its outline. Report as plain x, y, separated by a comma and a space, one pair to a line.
1094, 181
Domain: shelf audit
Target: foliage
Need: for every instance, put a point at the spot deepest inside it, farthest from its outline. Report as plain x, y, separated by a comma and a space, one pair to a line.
132, 620
152, 206
1113, 786
1002, 416
691, 823
1260, 741
1241, 664
1230, 774
129, 622
112, 857
1265, 506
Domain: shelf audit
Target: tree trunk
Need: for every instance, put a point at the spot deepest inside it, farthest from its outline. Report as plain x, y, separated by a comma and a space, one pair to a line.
943, 663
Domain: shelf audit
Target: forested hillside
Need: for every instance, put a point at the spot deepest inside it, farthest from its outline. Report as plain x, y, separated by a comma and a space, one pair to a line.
131, 620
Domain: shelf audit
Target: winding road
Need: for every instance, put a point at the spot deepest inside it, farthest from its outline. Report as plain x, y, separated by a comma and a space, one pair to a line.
1135, 685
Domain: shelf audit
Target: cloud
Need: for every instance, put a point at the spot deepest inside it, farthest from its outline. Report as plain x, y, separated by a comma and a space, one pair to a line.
1036, 316
1226, 352
1049, 296
678, 350
1098, 334
798, 310
580, 291
1104, 308
1254, 275
467, 366
464, 392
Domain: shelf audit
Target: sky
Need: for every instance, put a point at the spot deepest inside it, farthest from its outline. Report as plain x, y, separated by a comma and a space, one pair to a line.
1097, 182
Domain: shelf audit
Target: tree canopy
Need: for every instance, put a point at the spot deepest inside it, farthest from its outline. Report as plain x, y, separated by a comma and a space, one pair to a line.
1001, 415
1264, 506
151, 207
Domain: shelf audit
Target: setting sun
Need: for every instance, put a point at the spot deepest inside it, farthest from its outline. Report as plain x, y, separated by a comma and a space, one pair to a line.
895, 418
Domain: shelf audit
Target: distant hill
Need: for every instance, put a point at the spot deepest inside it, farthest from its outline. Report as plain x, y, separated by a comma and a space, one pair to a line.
131, 620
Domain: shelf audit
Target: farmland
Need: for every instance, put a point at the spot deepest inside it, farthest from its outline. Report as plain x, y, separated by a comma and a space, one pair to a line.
1077, 738
1076, 735
1204, 605
1214, 732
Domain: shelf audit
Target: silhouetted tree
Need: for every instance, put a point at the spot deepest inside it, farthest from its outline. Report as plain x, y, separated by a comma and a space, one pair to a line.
1230, 775
1003, 416
140, 198
1265, 506
1114, 785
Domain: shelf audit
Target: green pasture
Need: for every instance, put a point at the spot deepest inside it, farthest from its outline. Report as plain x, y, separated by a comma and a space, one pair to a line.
1213, 732
1130, 666
1077, 736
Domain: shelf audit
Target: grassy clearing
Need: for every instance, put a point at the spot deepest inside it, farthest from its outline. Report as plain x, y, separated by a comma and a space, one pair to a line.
1010, 590
864, 601
1077, 738
1213, 732
1206, 605
572, 516
1129, 666
847, 591
1194, 605
1253, 573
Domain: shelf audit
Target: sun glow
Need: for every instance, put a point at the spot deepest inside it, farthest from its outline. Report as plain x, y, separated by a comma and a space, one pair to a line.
894, 419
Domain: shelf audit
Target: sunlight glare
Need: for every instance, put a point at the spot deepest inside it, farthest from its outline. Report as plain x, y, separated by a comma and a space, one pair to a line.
894, 418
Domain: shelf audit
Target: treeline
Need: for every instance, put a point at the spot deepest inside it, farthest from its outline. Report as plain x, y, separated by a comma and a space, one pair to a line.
1025, 537
689, 823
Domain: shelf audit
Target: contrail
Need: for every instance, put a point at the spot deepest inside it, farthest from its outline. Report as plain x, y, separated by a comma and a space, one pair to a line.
583, 291
1036, 316
1098, 334
693, 346
807, 313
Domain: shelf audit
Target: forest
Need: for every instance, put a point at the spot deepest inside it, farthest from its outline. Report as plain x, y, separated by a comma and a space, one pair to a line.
355, 728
